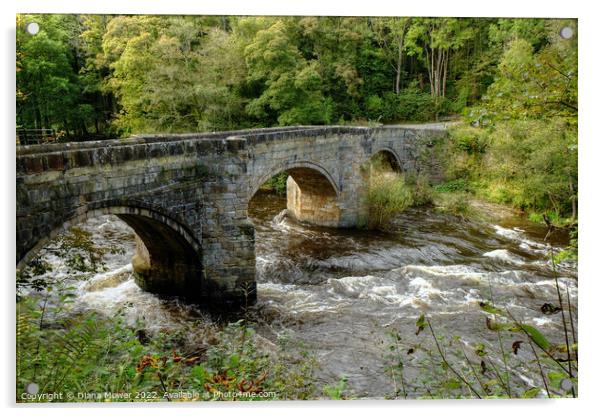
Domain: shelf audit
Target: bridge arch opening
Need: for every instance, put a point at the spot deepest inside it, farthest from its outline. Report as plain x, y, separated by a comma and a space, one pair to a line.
311, 193
166, 259
382, 165
385, 160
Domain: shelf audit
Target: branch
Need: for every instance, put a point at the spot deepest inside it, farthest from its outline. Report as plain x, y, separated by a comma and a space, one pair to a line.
460, 377
572, 107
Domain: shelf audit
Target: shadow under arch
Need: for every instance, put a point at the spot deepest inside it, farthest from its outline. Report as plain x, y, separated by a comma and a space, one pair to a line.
168, 257
312, 193
389, 156
297, 166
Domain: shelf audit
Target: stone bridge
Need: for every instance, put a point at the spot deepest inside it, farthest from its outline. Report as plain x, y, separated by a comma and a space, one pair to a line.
186, 195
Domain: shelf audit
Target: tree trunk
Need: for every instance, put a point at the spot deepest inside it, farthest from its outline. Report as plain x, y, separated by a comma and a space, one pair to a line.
440, 57
399, 60
429, 65
37, 117
444, 77
398, 70
67, 134
573, 201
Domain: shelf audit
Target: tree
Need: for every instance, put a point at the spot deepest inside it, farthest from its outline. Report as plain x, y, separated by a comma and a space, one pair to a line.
292, 83
177, 73
391, 33
336, 44
534, 85
55, 88
46, 79
434, 40
530, 116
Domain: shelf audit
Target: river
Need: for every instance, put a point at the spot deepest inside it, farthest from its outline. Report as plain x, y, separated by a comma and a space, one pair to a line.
339, 292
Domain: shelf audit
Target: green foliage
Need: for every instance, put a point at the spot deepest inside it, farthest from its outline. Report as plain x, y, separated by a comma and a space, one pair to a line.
387, 195
571, 252
68, 352
523, 151
130, 74
88, 354
337, 391
469, 140
413, 105
389, 192
504, 31
532, 165
422, 191
293, 371
172, 73
277, 183
293, 85
534, 84
75, 354
31, 276
455, 203
52, 92
455, 185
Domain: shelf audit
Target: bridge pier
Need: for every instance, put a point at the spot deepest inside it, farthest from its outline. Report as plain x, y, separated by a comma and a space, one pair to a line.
164, 261
310, 200
225, 276
320, 205
164, 276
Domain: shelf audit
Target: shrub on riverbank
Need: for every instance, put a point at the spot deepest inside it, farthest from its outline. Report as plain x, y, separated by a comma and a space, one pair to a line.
422, 192
89, 357
455, 203
452, 368
387, 195
527, 164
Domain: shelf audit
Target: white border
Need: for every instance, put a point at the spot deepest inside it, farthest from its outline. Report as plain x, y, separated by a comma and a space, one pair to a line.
590, 288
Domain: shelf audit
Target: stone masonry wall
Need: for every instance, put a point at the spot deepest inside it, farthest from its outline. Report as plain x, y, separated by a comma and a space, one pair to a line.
187, 195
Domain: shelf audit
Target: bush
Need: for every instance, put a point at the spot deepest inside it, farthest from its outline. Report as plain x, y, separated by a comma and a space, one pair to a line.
65, 351
415, 105
455, 203
451, 368
529, 164
375, 108
456, 185
471, 140
422, 191
387, 195
89, 353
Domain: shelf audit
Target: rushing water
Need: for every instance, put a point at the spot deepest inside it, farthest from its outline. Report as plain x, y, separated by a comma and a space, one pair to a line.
341, 291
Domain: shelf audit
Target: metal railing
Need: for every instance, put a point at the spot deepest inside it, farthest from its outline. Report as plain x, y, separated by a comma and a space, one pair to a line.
35, 136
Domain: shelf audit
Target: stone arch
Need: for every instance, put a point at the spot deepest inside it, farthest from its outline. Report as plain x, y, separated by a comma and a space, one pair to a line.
287, 166
168, 258
391, 155
312, 193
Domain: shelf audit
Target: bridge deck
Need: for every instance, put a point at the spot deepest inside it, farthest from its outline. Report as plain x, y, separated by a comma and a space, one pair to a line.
259, 135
